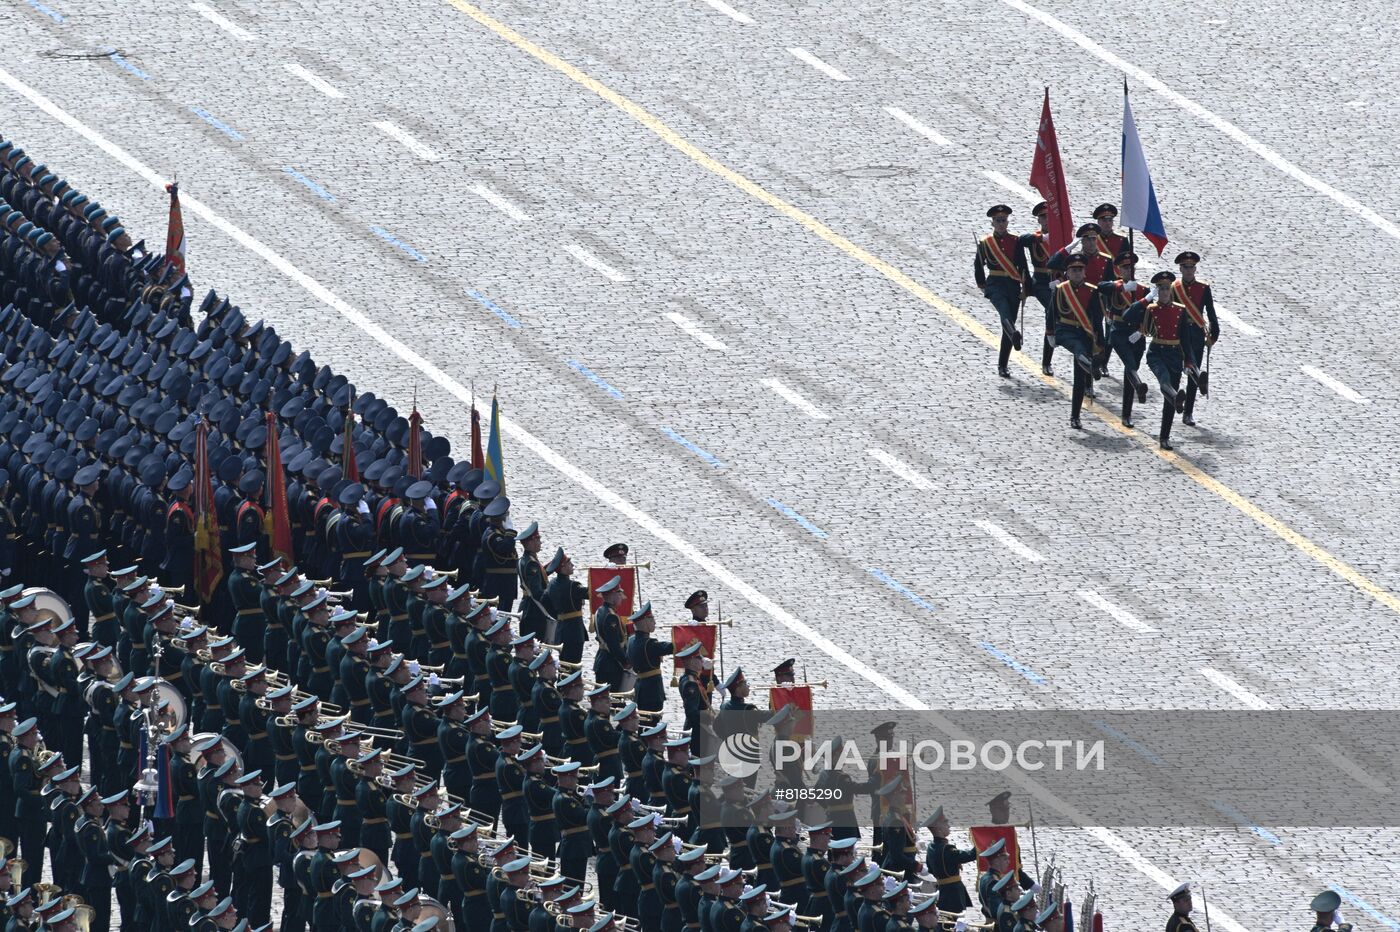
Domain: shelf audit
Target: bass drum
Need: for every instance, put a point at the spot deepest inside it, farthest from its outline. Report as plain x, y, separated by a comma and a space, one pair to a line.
49, 604
229, 749
432, 909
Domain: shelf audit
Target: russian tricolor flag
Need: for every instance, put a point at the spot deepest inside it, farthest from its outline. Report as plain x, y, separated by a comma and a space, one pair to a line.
1139, 210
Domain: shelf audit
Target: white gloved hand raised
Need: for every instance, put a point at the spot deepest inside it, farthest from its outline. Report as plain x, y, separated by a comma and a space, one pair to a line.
960, 926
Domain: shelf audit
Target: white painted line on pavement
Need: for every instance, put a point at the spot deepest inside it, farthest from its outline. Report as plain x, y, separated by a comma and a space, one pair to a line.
1340, 388
729, 11
1005, 538
1235, 321
223, 22
797, 401
693, 328
1122, 616
408, 142
500, 203
1019, 190
924, 131
1389, 227
832, 73
721, 573
316, 81
1235, 689
594, 263
901, 469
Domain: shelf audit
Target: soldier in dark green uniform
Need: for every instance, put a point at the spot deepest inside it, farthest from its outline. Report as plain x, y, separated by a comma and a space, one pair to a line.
95, 881
695, 697
736, 693
944, 861
510, 777
534, 606
97, 594
245, 589
566, 599
253, 852
539, 799
570, 812
645, 653
610, 664
1325, 906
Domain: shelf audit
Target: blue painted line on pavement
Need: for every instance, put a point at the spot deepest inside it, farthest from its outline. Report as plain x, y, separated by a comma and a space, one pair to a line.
1145, 753
312, 186
1357, 901
125, 65
1013, 663
595, 378
902, 589
802, 522
704, 455
217, 123
48, 11
398, 244
491, 306
1239, 818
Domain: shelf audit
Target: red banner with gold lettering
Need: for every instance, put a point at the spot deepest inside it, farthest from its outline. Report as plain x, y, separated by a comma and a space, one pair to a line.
683, 635
801, 696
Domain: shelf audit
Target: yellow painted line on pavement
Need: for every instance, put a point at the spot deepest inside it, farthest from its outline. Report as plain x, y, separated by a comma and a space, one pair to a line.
957, 315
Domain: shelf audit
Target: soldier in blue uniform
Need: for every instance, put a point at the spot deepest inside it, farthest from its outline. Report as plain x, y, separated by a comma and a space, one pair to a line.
418, 524
999, 268
1115, 297
177, 568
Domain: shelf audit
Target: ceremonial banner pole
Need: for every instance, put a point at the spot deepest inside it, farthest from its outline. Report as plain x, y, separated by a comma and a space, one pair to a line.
1205, 904
1035, 850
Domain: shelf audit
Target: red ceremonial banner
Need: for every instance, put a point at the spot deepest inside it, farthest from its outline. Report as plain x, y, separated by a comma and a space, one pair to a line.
1048, 177
478, 456
983, 836
415, 444
208, 555
683, 635
780, 697
597, 575
278, 520
889, 769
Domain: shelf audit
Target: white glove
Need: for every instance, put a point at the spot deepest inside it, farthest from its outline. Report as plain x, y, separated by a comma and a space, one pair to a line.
5, 571
676, 843
430, 505
433, 679
960, 926
170, 603
320, 591
364, 508
1152, 293
373, 643
707, 664
413, 667
156, 589
1035, 888
1135, 336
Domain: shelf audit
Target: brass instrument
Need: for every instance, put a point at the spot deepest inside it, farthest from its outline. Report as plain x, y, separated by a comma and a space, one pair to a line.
322, 583
173, 591
807, 922
621, 699
450, 574
185, 611
16, 868
822, 685
948, 918
687, 624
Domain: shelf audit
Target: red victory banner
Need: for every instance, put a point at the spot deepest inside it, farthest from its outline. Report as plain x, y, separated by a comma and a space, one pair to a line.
478, 456
597, 575
208, 558
684, 635
780, 697
984, 836
889, 769
277, 522
1048, 177
175, 235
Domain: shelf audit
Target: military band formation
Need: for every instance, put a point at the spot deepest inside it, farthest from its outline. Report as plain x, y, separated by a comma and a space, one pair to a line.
389, 727
1095, 307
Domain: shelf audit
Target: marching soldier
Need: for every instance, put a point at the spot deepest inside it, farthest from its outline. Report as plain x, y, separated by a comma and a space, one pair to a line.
610, 663
566, 599
1157, 317
1079, 329
1042, 278
645, 653
1115, 297
1201, 328
736, 690
177, 569
944, 861
90, 835
29, 807
510, 776
999, 268
253, 852
482, 757
571, 819
695, 696
1112, 244
534, 614
245, 590
1180, 919
97, 594
498, 557
249, 518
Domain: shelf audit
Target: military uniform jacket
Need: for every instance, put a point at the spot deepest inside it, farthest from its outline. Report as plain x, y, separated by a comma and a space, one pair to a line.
1180, 923
498, 564
571, 816
645, 653
945, 863
532, 585
611, 659
102, 617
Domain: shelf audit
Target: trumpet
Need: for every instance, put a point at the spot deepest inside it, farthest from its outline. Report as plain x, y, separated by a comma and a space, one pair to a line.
450, 574
322, 583
174, 591
185, 611
807, 922
688, 624
821, 685
621, 699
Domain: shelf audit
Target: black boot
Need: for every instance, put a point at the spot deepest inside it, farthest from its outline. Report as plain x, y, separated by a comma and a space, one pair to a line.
1003, 357
1047, 350
1186, 417
1168, 414
1077, 398
1127, 403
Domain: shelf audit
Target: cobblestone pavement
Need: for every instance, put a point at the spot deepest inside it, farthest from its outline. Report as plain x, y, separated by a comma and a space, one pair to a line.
763, 411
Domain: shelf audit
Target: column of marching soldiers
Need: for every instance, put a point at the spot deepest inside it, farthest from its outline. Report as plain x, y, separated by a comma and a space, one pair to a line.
385, 742
1094, 306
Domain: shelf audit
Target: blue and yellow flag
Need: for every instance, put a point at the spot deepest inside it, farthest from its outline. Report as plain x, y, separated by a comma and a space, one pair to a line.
495, 465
